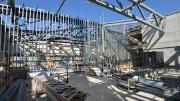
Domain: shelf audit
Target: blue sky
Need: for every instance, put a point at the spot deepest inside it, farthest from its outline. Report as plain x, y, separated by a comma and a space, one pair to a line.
83, 9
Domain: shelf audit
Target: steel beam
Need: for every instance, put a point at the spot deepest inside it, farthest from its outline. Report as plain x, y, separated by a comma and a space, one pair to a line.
116, 23
128, 13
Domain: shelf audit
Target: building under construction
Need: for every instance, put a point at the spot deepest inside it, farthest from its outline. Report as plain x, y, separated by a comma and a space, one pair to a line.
46, 56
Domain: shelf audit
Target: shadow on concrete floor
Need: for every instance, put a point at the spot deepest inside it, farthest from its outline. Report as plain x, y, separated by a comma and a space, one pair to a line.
103, 89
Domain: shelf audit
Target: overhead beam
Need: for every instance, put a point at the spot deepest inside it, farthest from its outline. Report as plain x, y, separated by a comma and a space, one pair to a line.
61, 5
127, 13
124, 22
130, 6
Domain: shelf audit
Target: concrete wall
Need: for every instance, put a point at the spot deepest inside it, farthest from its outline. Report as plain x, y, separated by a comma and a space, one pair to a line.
168, 42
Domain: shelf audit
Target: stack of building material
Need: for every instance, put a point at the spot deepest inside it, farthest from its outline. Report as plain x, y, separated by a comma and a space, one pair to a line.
59, 91
56, 90
151, 86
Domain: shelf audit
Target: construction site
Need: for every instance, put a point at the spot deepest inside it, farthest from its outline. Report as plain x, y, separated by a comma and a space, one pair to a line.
49, 56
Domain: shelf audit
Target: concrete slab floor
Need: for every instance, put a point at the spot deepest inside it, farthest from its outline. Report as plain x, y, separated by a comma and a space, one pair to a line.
103, 89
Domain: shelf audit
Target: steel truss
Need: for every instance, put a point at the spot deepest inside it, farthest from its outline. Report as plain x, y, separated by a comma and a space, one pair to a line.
129, 8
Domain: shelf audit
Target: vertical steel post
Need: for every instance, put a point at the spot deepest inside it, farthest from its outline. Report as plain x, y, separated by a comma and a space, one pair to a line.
1, 32
47, 34
25, 37
103, 46
97, 44
13, 40
55, 25
36, 40
4, 45
5, 31
33, 40
62, 26
40, 38
9, 39
88, 41
28, 42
